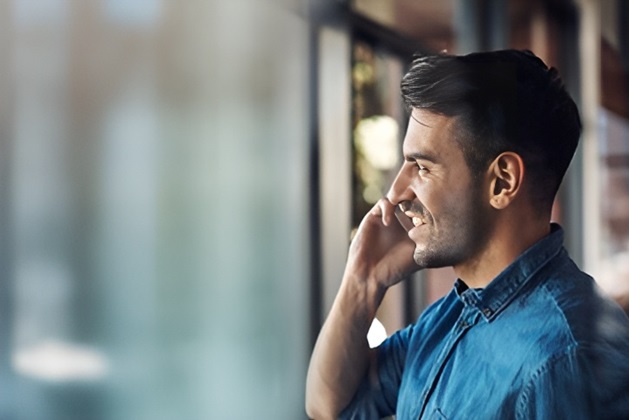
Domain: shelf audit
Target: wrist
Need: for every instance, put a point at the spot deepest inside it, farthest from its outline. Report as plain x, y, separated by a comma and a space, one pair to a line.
363, 292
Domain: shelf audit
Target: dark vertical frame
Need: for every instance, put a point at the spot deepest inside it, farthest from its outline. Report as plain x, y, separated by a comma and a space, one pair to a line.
323, 15
481, 25
571, 190
314, 290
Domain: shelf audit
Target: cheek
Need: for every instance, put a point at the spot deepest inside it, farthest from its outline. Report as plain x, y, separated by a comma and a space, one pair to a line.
455, 205
448, 199
429, 199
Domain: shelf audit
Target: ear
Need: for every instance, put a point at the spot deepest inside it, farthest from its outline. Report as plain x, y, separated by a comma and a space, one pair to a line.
506, 174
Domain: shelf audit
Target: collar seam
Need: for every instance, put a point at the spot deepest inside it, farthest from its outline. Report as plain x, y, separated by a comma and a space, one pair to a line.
489, 312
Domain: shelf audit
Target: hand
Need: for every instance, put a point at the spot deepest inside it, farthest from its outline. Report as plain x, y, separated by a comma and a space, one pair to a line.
381, 251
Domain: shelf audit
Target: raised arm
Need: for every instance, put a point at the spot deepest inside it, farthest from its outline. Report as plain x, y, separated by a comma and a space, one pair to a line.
380, 256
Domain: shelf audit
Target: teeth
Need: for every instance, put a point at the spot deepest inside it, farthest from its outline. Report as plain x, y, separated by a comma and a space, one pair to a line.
416, 220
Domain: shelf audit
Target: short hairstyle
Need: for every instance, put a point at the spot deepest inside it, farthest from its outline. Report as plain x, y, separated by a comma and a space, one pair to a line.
506, 100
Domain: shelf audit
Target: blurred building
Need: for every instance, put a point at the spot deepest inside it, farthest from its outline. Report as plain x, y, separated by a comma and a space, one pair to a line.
179, 182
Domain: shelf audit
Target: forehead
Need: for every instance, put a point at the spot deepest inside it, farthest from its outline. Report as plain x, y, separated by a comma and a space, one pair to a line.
432, 135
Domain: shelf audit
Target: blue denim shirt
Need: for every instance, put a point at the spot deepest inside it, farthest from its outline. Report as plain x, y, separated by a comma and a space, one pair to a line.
538, 342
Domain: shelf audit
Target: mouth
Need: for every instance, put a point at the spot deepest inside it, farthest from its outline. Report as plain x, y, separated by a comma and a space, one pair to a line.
410, 217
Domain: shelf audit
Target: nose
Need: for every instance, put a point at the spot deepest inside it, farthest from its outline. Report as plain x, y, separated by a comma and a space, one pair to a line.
400, 190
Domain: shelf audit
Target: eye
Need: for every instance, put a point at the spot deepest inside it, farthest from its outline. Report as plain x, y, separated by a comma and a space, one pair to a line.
421, 169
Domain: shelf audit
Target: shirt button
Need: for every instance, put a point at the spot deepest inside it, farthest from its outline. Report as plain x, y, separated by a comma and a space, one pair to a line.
487, 312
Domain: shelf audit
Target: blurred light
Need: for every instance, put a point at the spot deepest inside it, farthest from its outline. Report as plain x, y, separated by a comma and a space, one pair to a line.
363, 74
371, 194
377, 138
60, 362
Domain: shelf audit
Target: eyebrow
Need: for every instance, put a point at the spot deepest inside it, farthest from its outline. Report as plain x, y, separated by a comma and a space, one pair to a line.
411, 157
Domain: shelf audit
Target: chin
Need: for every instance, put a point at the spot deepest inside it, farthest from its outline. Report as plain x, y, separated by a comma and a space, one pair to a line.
422, 260
432, 260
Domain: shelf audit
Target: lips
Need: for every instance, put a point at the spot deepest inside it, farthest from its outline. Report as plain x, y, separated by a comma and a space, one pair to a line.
414, 215
417, 232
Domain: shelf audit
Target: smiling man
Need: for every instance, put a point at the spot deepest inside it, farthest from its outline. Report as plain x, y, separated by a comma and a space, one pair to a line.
523, 333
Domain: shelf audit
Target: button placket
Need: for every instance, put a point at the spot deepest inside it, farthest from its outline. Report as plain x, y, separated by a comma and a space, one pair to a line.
466, 320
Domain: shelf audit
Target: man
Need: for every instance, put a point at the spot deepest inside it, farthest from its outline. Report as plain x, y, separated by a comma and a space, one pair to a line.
524, 333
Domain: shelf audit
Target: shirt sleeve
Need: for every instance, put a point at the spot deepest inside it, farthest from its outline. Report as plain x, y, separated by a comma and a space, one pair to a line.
377, 396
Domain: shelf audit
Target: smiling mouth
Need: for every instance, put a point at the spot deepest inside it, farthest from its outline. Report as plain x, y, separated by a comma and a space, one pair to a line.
408, 218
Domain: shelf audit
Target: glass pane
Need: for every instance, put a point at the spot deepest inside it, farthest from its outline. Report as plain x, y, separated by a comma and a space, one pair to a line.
155, 210
614, 182
377, 120
613, 154
377, 116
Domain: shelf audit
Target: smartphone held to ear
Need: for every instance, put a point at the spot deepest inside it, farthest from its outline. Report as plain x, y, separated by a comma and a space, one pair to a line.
404, 220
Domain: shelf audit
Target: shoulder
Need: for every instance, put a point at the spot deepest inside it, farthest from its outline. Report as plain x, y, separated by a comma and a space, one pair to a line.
579, 306
583, 339
568, 301
564, 311
557, 387
573, 384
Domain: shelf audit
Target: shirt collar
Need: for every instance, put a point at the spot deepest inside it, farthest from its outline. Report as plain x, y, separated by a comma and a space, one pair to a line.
506, 286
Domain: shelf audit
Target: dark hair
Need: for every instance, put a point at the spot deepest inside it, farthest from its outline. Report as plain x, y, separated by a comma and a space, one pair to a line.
505, 100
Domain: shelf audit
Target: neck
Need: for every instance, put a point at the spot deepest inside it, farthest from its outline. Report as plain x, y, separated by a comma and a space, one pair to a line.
506, 242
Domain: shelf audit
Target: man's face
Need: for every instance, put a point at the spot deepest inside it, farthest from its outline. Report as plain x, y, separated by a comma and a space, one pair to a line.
435, 188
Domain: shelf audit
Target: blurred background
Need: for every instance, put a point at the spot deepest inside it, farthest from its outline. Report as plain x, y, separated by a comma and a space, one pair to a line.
179, 181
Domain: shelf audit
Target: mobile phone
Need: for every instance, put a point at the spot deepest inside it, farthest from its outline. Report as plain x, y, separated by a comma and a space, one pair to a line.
404, 220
